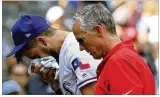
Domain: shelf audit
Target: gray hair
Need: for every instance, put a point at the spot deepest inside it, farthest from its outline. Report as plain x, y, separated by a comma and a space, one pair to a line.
92, 15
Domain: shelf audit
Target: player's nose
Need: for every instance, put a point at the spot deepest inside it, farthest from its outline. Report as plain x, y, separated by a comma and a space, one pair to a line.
81, 47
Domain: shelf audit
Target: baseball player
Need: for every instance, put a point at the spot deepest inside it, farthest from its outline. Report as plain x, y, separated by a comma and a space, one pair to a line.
34, 38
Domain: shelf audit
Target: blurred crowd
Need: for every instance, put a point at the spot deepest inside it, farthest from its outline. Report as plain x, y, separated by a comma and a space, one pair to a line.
135, 19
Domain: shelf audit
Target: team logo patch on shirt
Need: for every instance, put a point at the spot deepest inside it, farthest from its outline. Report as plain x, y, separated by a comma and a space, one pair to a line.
77, 63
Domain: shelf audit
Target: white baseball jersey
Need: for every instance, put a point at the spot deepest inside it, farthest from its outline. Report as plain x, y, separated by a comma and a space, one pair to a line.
77, 68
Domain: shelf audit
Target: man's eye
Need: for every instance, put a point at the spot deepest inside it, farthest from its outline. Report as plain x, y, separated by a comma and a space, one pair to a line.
31, 57
35, 57
38, 57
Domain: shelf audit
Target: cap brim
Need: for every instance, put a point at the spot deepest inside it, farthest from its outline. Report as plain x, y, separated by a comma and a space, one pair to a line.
15, 49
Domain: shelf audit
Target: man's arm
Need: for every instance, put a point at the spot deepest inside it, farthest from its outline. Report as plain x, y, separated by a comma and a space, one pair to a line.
88, 89
85, 74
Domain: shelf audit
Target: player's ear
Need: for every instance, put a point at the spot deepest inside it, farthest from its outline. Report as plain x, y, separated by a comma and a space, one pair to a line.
41, 41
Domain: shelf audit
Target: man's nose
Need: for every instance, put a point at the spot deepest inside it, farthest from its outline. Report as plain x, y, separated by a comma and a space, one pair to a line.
82, 47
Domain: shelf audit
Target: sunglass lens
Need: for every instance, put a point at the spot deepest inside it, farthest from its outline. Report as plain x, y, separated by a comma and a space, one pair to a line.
80, 40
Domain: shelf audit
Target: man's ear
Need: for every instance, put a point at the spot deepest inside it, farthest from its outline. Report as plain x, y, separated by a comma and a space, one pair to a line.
41, 41
99, 30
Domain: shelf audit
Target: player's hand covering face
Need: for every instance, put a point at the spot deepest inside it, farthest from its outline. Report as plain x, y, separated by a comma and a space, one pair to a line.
47, 74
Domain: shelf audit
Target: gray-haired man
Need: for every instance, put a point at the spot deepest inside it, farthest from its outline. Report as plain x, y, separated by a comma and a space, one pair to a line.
122, 70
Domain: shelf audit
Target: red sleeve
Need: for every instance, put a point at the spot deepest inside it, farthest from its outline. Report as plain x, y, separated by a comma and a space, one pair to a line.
123, 77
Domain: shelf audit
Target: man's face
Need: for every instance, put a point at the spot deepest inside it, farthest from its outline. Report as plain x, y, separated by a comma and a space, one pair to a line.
40, 52
35, 52
88, 42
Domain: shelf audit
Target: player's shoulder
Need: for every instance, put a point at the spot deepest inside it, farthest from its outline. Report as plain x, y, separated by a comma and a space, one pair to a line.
70, 45
71, 50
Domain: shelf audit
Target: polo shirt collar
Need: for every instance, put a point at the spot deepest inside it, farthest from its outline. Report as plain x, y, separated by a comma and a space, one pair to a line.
127, 43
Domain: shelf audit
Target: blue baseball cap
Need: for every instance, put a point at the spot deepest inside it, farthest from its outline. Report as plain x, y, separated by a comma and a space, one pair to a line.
25, 29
